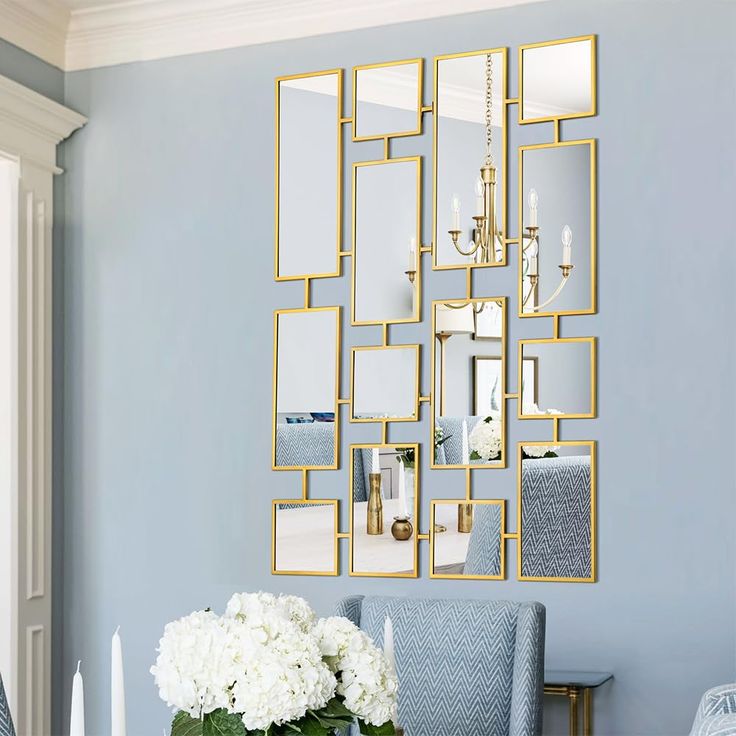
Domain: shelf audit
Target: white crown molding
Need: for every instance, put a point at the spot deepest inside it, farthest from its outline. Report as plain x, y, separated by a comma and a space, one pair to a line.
37, 26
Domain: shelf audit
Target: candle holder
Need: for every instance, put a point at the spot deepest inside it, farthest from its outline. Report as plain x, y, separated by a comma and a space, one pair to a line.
439, 528
401, 529
465, 518
566, 269
374, 523
411, 275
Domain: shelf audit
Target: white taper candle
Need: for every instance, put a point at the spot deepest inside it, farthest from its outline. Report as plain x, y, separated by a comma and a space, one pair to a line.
117, 687
76, 722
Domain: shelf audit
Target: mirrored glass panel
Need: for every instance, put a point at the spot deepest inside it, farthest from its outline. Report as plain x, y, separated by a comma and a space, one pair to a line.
305, 537
386, 277
466, 539
468, 361
558, 80
309, 180
305, 393
467, 87
557, 501
561, 382
387, 100
557, 217
384, 510
386, 383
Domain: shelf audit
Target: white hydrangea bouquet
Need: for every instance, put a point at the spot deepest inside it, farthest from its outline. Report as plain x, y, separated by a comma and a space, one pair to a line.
485, 440
269, 667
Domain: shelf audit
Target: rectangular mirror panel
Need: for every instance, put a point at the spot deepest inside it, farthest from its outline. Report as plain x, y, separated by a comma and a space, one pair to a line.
307, 353
466, 539
385, 241
557, 511
468, 360
385, 383
383, 510
557, 80
304, 538
309, 175
460, 150
563, 381
387, 100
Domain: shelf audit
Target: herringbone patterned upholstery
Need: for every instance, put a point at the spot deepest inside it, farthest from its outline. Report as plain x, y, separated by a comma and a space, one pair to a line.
465, 667
484, 546
453, 447
555, 518
6, 722
305, 444
717, 712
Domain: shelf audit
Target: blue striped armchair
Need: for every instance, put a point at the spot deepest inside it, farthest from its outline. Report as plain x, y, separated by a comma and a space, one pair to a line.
716, 714
6, 722
465, 667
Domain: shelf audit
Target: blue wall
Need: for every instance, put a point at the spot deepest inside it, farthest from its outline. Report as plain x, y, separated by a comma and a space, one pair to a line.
167, 340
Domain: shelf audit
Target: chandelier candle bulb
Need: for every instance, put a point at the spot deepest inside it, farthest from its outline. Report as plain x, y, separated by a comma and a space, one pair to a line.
412, 254
479, 200
533, 204
76, 722
566, 245
533, 266
455, 212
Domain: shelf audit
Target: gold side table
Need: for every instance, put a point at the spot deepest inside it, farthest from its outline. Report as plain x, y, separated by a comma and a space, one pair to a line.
575, 685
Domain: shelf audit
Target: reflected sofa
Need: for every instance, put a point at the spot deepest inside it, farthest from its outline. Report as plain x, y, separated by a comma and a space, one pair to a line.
716, 714
6, 722
465, 667
308, 445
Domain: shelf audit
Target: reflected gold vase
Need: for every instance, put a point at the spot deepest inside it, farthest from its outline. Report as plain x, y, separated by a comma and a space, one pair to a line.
375, 505
401, 529
465, 518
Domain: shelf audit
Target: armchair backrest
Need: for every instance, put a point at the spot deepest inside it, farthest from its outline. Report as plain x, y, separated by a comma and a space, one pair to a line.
6, 721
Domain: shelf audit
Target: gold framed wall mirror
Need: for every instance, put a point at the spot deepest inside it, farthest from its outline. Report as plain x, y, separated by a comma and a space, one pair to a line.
306, 383
564, 385
384, 503
462, 331
387, 99
557, 219
557, 80
470, 159
308, 178
386, 273
384, 383
556, 511
466, 539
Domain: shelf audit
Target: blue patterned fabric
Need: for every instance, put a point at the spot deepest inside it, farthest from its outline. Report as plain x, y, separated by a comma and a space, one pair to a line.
453, 448
465, 667
361, 467
484, 546
556, 518
305, 444
6, 722
716, 714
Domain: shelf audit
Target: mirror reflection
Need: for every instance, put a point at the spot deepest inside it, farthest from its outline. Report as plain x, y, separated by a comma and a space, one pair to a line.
385, 241
307, 349
558, 80
557, 499
557, 257
305, 537
308, 224
383, 510
469, 378
387, 99
470, 155
385, 383
561, 382
466, 539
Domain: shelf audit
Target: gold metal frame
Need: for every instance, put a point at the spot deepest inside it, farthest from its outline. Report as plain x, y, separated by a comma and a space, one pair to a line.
593, 87
415, 517
501, 540
593, 388
420, 86
593, 480
591, 143
338, 353
384, 420
417, 316
277, 201
434, 394
306, 502
504, 161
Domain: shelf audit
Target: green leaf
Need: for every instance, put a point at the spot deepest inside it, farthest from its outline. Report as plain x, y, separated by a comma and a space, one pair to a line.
368, 729
184, 725
336, 708
222, 723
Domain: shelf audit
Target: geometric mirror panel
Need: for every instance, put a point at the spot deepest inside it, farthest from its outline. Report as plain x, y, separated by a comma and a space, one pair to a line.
305, 537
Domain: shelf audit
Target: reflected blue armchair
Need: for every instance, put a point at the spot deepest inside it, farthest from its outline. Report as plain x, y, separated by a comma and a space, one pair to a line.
716, 714
6, 722
465, 667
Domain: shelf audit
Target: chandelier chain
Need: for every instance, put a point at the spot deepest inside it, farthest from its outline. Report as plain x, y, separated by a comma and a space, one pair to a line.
489, 110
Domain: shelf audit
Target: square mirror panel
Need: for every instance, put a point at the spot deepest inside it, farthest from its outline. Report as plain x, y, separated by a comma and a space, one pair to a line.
466, 539
468, 379
304, 538
557, 80
563, 380
383, 510
387, 100
557, 220
557, 511
306, 371
385, 383
386, 275
308, 177
468, 88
